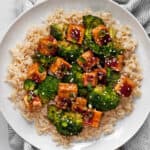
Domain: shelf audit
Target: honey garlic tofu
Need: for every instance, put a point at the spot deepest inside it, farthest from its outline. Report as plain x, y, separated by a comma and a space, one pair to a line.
101, 74
95, 122
80, 104
90, 79
63, 103
87, 60
67, 90
47, 45
101, 35
36, 73
59, 67
125, 86
75, 33
115, 63
32, 103
92, 118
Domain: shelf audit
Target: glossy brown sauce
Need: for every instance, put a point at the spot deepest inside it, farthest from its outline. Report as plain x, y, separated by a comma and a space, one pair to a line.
126, 90
75, 34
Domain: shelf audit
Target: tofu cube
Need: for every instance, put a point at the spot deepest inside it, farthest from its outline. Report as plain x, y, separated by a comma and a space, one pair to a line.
75, 33
67, 90
36, 103
97, 115
32, 103
34, 73
90, 79
101, 35
125, 86
80, 104
47, 45
101, 74
63, 103
115, 63
87, 60
59, 67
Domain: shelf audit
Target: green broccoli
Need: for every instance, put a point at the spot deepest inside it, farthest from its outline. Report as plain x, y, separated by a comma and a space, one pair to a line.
54, 114
41, 69
70, 124
58, 31
90, 21
112, 77
103, 99
75, 75
67, 123
109, 50
29, 85
69, 51
48, 88
102, 51
43, 60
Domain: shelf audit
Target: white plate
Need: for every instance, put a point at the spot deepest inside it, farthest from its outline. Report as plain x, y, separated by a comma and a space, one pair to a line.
125, 128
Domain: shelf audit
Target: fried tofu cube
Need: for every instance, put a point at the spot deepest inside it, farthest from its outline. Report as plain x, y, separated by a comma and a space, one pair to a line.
101, 35
34, 73
47, 45
87, 60
75, 33
63, 103
115, 63
125, 86
101, 72
90, 79
92, 118
32, 103
97, 115
36, 103
67, 90
80, 104
59, 67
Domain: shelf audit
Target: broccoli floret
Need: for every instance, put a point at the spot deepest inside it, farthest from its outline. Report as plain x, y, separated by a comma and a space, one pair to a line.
29, 85
76, 68
58, 31
43, 60
103, 99
109, 50
41, 69
54, 114
67, 123
112, 77
75, 75
102, 51
70, 124
69, 51
48, 88
90, 21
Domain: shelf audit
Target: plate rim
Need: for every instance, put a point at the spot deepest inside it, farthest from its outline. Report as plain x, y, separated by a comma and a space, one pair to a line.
45, 1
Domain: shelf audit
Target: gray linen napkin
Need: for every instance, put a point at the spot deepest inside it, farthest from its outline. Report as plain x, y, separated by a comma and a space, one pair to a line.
141, 141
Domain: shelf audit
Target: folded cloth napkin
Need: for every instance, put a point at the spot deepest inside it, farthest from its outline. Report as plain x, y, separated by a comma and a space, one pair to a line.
141, 141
